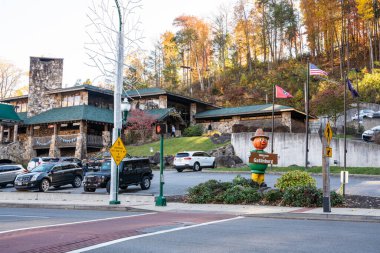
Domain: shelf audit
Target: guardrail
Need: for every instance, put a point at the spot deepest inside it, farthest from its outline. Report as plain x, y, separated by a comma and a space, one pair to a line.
41, 142
94, 141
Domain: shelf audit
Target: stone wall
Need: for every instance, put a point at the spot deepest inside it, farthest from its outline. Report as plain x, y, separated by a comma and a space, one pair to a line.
45, 74
291, 150
15, 151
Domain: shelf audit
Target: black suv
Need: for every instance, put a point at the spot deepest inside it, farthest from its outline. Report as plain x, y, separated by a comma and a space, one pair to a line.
133, 171
50, 174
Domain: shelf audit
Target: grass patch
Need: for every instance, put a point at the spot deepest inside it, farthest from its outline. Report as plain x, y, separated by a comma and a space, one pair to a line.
333, 170
175, 145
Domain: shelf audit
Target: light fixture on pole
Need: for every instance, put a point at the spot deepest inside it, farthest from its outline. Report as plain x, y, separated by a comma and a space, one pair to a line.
125, 108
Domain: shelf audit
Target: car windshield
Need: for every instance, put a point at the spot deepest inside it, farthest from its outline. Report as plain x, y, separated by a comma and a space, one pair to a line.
376, 128
106, 166
43, 168
182, 155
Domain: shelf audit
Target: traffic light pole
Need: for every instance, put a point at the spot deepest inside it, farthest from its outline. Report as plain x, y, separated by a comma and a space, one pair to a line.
161, 200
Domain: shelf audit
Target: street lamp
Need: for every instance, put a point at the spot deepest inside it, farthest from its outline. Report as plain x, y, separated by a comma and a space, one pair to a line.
125, 108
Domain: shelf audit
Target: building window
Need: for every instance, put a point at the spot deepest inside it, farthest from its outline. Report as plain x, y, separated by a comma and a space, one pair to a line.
71, 100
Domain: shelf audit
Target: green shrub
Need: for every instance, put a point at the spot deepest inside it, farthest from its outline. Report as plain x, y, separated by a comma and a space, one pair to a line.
302, 196
336, 199
196, 130
273, 196
293, 179
207, 192
239, 180
241, 195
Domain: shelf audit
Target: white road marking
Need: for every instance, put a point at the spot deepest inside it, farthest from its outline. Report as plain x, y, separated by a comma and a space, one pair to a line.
150, 234
77, 222
24, 216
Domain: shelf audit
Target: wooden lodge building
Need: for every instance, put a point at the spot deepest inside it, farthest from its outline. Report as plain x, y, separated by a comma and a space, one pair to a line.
56, 121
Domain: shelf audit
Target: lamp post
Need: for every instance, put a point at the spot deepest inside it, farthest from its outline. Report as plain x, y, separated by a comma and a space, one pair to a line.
117, 106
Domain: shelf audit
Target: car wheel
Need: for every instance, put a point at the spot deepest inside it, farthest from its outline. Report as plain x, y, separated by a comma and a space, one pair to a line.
197, 167
179, 170
145, 184
77, 182
3, 185
44, 185
124, 187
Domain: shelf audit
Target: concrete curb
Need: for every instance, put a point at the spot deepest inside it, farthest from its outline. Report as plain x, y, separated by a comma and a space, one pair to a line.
73, 207
314, 216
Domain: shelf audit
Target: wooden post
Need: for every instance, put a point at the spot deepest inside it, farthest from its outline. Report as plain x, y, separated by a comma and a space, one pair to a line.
1, 133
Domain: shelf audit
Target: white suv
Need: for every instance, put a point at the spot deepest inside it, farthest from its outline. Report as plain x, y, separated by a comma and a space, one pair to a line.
34, 162
196, 160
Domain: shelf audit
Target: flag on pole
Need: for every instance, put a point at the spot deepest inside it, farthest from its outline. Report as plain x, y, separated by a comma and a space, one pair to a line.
315, 71
281, 93
354, 92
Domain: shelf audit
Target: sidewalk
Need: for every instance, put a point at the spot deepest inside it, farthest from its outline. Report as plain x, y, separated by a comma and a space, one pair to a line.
147, 203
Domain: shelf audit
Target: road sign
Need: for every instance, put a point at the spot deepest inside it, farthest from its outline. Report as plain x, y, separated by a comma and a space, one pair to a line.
118, 151
328, 133
328, 152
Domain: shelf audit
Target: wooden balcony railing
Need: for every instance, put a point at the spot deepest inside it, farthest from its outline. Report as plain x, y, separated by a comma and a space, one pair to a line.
65, 141
94, 141
41, 142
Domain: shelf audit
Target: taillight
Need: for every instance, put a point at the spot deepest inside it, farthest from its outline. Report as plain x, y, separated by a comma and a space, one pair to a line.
187, 158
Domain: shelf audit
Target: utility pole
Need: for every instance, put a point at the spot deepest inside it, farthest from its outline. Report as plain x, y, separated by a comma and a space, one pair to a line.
117, 108
307, 114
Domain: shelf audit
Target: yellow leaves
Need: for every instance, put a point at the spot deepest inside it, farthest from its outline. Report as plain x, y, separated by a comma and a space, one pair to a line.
365, 9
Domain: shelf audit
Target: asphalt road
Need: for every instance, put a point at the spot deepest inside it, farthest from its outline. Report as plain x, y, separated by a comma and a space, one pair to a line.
178, 183
54, 231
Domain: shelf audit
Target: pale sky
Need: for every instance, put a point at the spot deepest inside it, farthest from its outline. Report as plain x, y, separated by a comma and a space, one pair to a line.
56, 28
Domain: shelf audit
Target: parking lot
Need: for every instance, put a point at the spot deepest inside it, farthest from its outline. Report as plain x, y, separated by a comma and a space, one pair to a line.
178, 183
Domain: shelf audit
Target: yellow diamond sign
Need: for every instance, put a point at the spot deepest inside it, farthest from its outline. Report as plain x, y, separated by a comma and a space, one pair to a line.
118, 151
328, 133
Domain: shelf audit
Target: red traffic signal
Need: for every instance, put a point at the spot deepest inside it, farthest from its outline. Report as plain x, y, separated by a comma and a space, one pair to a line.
160, 129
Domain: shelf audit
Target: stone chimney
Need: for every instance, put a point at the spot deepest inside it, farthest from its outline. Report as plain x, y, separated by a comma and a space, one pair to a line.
45, 74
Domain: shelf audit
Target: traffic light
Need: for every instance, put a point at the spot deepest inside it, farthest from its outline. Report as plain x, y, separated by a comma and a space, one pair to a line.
160, 129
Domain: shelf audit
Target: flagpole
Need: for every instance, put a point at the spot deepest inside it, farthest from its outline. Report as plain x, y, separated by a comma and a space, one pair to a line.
345, 121
272, 121
307, 114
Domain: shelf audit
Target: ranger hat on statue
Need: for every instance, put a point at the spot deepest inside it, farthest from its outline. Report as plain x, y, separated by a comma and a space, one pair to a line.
259, 133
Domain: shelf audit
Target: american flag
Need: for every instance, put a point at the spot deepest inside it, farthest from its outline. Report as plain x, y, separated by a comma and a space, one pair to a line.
315, 71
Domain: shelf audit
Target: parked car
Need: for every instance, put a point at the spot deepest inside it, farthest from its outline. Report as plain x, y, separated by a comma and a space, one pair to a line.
35, 161
376, 114
369, 135
195, 160
363, 114
70, 160
9, 172
133, 171
50, 174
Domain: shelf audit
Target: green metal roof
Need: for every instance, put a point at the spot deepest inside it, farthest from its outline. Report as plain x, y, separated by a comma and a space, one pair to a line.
159, 114
22, 115
72, 113
234, 111
145, 92
7, 113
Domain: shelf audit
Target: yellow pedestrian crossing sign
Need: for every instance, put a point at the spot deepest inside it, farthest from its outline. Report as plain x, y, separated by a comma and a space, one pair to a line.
328, 133
118, 151
328, 152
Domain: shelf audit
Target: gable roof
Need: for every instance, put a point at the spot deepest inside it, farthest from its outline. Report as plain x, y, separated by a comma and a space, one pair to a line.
159, 114
72, 113
244, 110
8, 113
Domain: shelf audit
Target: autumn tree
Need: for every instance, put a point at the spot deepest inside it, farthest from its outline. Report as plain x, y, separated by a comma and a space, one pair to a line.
140, 123
9, 78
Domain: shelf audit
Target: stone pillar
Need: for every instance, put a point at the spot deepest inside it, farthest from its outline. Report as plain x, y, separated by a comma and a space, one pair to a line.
1, 133
81, 145
286, 119
29, 151
193, 111
54, 150
106, 138
163, 102
15, 133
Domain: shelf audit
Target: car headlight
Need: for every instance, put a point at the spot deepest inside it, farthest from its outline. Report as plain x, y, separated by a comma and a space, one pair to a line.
34, 178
